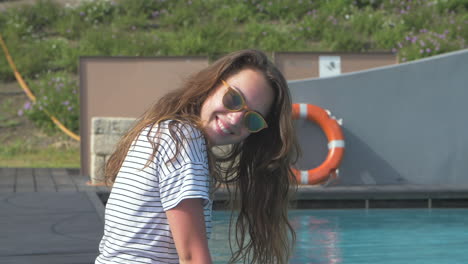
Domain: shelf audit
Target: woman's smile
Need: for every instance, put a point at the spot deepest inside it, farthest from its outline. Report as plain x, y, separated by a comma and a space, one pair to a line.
223, 126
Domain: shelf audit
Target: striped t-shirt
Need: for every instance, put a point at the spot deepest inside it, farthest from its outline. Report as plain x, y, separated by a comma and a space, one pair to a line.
136, 228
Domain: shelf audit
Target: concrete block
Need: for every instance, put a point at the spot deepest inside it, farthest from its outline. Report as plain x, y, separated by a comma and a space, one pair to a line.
103, 144
111, 125
97, 168
120, 126
100, 125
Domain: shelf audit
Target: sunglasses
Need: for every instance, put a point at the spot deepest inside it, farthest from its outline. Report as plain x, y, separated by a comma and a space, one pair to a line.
234, 102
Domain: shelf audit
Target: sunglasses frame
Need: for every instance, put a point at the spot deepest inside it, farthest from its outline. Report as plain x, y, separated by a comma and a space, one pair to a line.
243, 107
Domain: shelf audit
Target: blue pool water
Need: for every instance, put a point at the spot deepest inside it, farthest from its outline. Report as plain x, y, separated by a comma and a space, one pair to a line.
387, 236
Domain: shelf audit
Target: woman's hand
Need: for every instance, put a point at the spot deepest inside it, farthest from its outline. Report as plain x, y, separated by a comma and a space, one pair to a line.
187, 224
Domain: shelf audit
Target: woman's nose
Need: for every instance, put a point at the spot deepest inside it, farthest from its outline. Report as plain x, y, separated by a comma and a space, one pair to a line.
235, 118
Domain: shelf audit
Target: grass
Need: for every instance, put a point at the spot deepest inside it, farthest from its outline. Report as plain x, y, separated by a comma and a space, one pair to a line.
213, 27
8, 123
22, 144
18, 157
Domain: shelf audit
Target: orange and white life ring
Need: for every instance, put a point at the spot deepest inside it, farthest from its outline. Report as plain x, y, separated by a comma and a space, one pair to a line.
336, 144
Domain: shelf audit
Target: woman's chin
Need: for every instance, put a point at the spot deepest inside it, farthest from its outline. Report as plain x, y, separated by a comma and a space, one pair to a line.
212, 138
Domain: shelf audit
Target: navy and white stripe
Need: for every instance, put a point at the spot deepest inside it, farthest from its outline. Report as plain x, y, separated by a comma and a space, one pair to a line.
136, 228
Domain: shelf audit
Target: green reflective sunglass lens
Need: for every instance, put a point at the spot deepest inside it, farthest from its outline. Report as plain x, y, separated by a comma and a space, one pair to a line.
254, 122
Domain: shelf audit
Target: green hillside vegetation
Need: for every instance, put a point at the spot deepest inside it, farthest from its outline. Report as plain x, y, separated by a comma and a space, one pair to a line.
47, 38
50, 37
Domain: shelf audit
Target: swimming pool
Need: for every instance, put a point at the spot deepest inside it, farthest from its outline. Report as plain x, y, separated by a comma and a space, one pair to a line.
384, 236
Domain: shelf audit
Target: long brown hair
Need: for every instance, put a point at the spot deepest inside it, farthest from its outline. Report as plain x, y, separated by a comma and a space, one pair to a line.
256, 171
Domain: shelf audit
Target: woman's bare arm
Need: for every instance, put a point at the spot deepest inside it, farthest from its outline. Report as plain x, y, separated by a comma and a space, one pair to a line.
187, 224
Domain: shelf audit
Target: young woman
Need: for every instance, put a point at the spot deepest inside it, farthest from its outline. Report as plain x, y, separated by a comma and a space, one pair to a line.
164, 171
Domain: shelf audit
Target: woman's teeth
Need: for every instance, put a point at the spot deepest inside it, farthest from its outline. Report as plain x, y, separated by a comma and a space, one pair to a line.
223, 128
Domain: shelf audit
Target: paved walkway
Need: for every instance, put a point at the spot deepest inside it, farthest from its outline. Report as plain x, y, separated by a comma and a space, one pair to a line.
44, 180
48, 216
52, 216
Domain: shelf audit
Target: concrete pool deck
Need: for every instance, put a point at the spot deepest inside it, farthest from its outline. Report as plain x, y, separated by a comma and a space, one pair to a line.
48, 216
52, 216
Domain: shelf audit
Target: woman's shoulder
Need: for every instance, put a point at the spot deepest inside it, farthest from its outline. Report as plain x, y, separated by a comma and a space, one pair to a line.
174, 129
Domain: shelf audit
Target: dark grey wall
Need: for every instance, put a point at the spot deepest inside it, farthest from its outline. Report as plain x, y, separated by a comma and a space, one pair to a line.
404, 124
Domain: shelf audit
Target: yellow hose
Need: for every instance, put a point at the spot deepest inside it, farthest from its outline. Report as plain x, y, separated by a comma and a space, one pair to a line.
30, 95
